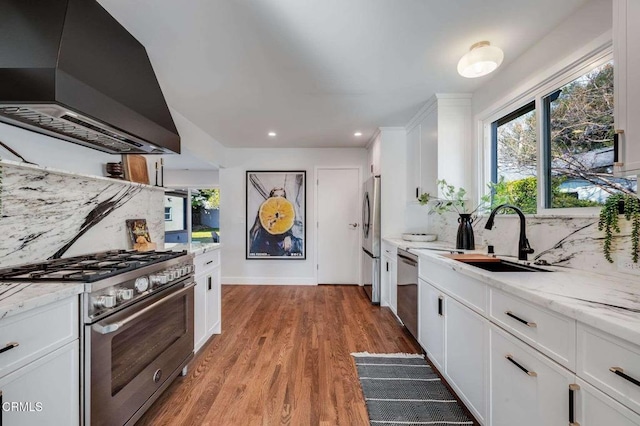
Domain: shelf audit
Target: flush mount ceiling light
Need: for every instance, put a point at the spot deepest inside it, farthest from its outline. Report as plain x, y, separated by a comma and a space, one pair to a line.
481, 59
357, 134
272, 134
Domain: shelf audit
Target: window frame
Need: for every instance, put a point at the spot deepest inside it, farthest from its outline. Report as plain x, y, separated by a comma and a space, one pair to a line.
169, 211
537, 95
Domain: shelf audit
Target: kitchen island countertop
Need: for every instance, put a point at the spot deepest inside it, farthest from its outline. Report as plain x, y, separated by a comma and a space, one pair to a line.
18, 297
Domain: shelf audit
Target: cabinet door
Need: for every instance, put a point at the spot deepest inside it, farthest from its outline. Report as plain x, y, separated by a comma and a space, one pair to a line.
431, 326
43, 392
413, 164
626, 84
467, 352
213, 302
384, 283
429, 154
594, 408
200, 312
527, 388
393, 286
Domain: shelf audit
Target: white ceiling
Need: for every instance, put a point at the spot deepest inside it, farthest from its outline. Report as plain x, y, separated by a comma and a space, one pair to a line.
315, 71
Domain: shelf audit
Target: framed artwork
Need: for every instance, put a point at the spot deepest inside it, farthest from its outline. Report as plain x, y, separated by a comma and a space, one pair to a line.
276, 214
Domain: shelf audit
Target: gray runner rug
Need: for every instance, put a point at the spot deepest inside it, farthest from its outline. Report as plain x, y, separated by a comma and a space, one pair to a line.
402, 390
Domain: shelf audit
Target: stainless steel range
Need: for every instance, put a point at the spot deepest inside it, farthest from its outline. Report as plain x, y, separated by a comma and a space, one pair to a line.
137, 322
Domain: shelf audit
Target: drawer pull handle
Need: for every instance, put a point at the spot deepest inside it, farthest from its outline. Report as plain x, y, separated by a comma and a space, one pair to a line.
517, 364
572, 406
620, 372
8, 346
517, 318
440, 300
209, 262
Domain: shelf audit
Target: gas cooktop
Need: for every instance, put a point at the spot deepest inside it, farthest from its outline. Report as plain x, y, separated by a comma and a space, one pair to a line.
87, 268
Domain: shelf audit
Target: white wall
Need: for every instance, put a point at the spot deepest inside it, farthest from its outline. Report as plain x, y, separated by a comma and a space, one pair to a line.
196, 179
236, 269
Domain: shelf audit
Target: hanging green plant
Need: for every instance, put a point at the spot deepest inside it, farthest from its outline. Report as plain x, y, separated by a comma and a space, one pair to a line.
618, 204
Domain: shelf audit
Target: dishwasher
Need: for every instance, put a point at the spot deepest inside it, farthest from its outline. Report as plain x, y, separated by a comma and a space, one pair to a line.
407, 297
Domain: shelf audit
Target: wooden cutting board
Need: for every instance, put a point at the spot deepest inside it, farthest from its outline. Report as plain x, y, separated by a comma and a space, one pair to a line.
470, 257
135, 168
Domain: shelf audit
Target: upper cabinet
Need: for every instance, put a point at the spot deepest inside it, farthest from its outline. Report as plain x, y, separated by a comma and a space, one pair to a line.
437, 145
626, 40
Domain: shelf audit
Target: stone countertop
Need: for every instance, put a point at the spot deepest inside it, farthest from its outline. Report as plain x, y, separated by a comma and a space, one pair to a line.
610, 303
430, 245
194, 248
16, 298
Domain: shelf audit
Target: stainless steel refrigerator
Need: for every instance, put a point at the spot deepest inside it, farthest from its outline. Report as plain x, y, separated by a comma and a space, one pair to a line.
371, 238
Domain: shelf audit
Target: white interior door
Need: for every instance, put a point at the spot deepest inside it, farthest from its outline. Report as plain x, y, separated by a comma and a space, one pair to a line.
338, 228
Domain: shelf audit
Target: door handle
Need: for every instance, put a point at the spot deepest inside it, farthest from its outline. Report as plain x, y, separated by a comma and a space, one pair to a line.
353, 225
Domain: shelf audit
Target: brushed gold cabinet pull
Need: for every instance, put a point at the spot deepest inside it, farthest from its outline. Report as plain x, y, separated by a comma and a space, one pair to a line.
517, 364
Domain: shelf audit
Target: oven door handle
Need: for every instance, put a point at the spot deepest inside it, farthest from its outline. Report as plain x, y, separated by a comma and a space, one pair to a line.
115, 326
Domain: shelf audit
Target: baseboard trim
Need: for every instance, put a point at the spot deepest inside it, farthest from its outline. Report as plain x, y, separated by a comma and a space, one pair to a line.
268, 281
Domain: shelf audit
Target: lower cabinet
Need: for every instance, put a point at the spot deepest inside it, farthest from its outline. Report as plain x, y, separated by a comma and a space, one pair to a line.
431, 322
594, 408
389, 283
200, 312
467, 356
527, 388
44, 392
207, 309
213, 302
455, 339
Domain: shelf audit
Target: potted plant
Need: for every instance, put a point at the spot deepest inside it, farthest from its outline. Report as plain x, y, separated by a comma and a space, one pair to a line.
614, 206
455, 200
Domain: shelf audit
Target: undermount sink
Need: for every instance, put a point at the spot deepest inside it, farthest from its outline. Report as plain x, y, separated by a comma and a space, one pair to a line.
503, 266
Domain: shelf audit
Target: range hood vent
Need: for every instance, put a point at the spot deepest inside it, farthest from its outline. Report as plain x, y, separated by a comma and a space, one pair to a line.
69, 70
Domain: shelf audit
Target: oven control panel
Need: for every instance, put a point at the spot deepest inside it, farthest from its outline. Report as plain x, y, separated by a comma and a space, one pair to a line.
119, 294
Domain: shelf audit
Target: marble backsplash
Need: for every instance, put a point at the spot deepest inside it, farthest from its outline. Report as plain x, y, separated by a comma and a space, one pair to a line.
572, 242
47, 213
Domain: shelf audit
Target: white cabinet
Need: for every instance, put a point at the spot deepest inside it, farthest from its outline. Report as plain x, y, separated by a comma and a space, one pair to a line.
44, 392
431, 322
467, 356
422, 154
438, 140
611, 364
527, 388
207, 309
39, 368
200, 312
594, 408
626, 40
213, 302
455, 339
389, 283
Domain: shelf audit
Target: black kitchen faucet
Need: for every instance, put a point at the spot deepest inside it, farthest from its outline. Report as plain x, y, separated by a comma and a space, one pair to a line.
523, 244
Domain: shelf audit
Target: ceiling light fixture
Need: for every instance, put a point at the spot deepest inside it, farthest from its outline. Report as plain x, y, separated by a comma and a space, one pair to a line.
357, 134
481, 59
272, 134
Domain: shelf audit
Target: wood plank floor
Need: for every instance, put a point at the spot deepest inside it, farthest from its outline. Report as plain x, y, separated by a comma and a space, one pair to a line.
283, 358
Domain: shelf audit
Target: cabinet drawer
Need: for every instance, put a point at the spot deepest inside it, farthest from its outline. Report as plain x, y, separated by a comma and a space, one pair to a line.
550, 333
206, 261
598, 354
389, 249
527, 388
37, 332
467, 290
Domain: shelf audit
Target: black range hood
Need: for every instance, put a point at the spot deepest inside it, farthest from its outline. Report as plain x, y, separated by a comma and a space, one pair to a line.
68, 69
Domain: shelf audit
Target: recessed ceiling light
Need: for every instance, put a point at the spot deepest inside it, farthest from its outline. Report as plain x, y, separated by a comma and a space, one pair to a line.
272, 134
357, 134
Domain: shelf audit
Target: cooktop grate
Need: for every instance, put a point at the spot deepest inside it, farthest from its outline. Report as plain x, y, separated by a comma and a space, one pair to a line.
87, 268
